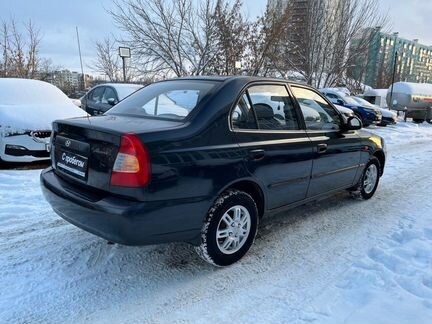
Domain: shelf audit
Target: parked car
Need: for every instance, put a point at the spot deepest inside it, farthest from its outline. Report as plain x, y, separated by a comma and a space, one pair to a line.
103, 97
388, 117
27, 109
246, 148
367, 115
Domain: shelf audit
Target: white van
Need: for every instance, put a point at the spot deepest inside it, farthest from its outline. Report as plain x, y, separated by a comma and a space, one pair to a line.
376, 97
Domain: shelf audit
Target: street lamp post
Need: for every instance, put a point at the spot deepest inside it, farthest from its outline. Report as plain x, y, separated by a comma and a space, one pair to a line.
82, 69
124, 53
395, 55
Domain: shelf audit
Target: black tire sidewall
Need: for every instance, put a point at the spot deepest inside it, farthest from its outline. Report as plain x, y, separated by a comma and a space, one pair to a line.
233, 199
359, 116
378, 165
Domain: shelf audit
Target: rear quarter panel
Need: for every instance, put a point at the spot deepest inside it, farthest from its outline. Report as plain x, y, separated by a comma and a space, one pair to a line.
200, 159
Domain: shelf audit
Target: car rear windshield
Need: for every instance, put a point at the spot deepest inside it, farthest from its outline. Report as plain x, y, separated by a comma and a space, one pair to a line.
167, 99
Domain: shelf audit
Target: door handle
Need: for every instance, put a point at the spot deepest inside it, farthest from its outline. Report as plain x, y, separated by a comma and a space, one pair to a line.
321, 148
256, 155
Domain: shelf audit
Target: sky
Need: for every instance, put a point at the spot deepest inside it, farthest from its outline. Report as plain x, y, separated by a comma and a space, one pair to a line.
57, 20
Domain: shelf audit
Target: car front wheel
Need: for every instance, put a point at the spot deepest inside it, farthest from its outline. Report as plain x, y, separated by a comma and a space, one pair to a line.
229, 229
368, 183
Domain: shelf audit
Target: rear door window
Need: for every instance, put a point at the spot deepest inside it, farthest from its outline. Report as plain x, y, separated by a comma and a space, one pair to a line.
273, 107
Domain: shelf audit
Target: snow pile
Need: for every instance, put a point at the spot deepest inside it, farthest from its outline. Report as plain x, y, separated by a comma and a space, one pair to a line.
27, 105
404, 133
333, 261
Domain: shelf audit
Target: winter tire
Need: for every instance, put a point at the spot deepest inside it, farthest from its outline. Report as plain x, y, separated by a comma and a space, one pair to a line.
229, 229
368, 183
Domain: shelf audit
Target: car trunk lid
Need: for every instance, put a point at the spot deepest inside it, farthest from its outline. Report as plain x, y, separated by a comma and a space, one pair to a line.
84, 150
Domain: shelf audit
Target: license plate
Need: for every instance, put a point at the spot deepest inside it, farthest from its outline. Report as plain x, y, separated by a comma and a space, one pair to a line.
73, 164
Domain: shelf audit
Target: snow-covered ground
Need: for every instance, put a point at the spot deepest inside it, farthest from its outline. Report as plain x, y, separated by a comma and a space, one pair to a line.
334, 261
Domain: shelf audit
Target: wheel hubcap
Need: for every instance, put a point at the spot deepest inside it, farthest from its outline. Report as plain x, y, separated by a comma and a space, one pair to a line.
370, 178
233, 229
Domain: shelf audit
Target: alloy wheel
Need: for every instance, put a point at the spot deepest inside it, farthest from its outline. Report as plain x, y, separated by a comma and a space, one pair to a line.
233, 229
370, 178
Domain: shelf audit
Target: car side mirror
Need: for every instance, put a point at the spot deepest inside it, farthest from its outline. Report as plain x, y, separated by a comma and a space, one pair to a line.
112, 101
353, 123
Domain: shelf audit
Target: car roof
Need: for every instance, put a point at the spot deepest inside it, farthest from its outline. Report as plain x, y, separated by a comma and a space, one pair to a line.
119, 85
241, 78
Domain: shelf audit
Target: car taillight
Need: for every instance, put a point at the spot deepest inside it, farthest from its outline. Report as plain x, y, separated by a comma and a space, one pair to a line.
132, 167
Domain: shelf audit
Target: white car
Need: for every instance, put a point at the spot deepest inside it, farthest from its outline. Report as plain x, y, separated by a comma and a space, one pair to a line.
388, 117
27, 110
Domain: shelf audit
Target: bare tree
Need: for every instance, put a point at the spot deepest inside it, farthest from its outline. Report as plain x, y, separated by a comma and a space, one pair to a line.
320, 42
184, 37
231, 33
267, 41
20, 50
172, 37
32, 59
108, 60
354, 35
4, 43
46, 69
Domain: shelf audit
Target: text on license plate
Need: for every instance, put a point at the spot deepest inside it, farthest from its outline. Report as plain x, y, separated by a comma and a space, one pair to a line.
73, 163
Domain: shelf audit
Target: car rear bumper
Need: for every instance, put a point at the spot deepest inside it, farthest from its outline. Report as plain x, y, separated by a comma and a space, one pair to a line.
124, 221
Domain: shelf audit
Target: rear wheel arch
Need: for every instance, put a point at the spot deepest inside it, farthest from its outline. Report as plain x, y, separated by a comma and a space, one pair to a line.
253, 189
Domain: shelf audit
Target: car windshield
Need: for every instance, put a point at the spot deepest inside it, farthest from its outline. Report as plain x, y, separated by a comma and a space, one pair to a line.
173, 99
349, 100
